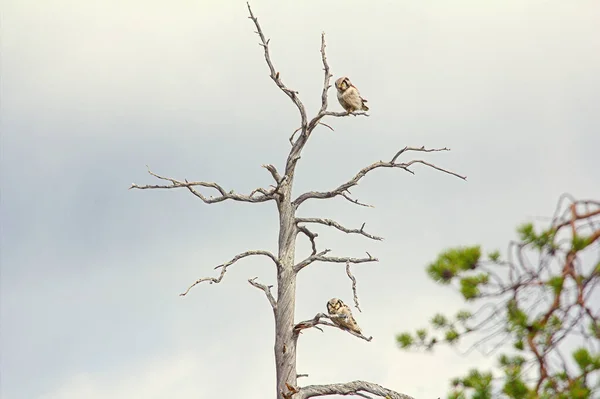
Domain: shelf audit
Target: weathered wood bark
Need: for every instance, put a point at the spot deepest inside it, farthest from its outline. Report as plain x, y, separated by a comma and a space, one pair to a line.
285, 342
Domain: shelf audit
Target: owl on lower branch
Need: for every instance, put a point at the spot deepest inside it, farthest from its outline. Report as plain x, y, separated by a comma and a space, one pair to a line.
341, 315
348, 96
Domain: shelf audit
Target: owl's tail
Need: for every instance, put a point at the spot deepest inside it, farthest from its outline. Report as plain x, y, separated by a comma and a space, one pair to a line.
364, 106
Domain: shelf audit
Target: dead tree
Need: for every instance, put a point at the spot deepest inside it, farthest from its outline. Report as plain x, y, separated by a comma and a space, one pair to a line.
286, 329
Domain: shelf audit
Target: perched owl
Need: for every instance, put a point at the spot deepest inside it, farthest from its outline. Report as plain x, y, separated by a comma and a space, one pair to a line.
335, 307
349, 97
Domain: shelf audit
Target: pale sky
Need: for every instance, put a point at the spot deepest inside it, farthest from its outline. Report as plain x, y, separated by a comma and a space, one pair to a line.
92, 91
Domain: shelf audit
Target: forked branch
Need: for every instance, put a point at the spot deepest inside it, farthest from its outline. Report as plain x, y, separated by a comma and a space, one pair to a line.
311, 236
320, 257
333, 223
354, 290
266, 289
343, 188
225, 265
257, 195
273, 170
293, 95
349, 388
318, 320
326, 79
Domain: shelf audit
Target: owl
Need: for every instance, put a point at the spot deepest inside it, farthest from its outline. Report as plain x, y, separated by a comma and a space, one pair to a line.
349, 97
335, 307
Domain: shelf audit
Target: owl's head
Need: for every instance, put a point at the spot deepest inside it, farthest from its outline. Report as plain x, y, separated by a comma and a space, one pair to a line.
334, 304
342, 83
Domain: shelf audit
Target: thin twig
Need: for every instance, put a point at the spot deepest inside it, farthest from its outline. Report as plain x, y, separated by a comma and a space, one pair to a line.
326, 125
265, 195
355, 201
333, 223
291, 139
343, 188
353, 286
307, 128
343, 114
273, 170
317, 320
266, 289
274, 74
225, 265
320, 257
420, 149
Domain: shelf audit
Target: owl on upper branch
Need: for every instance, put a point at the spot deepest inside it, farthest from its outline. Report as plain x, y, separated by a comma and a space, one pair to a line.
349, 96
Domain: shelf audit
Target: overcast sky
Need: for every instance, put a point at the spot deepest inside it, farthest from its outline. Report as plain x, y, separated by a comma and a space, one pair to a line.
92, 91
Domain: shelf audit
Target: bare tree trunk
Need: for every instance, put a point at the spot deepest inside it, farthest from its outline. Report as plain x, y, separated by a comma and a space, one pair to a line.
285, 342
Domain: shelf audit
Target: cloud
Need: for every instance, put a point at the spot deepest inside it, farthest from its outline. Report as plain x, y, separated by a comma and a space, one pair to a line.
174, 375
92, 92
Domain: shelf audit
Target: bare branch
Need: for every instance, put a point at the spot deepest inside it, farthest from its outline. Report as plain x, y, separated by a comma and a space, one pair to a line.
291, 139
310, 260
307, 129
225, 265
301, 375
327, 77
326, 125
346, 195
407, 164
274, 172
274, 74
323, 111
333, 223
349, 388
265, 195
353, 279
343, 188
311, 236
418, 149
342, 114
320, 257
317, 320
266, 289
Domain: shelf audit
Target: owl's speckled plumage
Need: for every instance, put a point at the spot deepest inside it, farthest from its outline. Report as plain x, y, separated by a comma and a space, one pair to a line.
348, 96
335, 307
